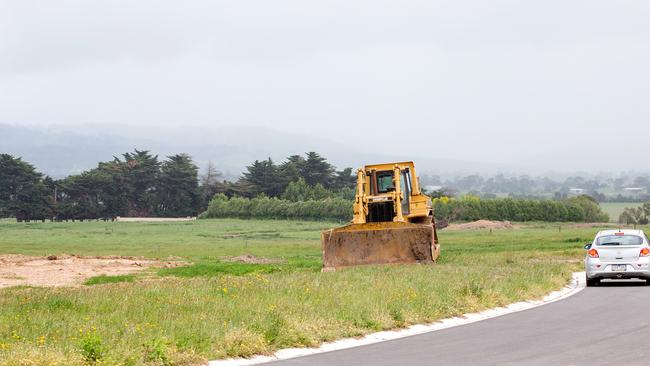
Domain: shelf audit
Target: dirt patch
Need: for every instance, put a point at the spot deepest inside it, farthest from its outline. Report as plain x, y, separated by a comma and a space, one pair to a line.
69, 270
483, 224
251, 259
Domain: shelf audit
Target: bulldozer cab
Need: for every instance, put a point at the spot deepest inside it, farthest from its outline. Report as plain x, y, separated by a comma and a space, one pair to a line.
382, 184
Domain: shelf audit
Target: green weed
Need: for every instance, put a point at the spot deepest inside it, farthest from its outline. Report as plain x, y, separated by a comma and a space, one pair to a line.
57, 303
91, 348
218, 269
156, 351
103, 279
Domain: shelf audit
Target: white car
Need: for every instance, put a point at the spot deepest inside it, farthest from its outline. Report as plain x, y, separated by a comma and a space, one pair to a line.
618, 254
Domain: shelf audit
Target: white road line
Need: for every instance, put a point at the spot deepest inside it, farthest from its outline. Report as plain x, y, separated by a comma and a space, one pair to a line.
576, 285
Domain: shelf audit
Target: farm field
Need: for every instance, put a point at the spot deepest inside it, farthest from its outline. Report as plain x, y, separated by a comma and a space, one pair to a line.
216, 307
615, 209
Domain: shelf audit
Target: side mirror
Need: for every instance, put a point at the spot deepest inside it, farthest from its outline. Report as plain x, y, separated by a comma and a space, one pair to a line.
587, 246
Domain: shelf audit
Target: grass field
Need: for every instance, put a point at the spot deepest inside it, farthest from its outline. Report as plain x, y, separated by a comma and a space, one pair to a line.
615, 209
215, 309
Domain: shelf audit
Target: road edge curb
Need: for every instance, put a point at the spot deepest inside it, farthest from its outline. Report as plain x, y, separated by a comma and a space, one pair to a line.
575, 285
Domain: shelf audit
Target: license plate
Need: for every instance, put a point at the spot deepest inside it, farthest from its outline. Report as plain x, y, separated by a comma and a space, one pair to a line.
618, 267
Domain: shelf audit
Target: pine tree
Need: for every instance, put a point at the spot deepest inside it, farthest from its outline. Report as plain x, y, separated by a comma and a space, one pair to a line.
317, 170
264, 177
292, 169
177, 192
97, 193
23, 194
114, 191
344, 179
140, 173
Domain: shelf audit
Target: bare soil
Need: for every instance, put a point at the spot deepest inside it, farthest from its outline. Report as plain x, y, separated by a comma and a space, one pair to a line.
483, 224
69, 270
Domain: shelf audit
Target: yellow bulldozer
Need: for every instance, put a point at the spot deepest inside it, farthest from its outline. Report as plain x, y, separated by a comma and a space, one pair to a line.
393, 221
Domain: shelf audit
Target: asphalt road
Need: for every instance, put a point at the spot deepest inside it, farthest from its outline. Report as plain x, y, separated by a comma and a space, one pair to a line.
605, 325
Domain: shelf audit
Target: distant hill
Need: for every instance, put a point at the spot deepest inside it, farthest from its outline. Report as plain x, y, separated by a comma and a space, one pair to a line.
61, 151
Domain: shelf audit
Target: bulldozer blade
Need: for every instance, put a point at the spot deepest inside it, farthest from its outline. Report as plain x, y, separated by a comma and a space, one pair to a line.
379, 243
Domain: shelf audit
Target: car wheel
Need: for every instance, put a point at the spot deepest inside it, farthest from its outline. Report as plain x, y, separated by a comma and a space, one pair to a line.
592, 282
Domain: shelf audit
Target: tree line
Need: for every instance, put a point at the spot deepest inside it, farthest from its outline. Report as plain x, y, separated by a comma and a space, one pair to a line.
139, 184
265, 177
525, 186
134, 184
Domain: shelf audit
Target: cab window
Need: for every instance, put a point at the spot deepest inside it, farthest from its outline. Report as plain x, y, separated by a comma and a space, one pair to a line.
405, 183
385, 182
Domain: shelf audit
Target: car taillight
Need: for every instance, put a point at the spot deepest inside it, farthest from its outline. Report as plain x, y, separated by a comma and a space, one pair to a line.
593, 253
644, 252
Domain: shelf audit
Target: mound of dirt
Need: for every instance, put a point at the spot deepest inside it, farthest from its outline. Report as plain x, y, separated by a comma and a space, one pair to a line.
482, 224
251, 259
68, 270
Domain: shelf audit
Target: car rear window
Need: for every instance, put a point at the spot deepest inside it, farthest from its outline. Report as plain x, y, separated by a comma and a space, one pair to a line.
619, 240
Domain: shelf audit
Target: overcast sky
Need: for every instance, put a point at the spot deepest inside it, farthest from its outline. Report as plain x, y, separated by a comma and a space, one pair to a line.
561, 83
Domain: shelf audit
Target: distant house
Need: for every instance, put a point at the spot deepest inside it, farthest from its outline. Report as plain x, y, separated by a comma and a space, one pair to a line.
432, 188
633, 189
577, 191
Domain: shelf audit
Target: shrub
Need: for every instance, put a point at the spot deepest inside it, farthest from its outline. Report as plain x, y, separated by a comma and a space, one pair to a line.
263, 207
636, 216
466, 208
301, 191
471, 208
